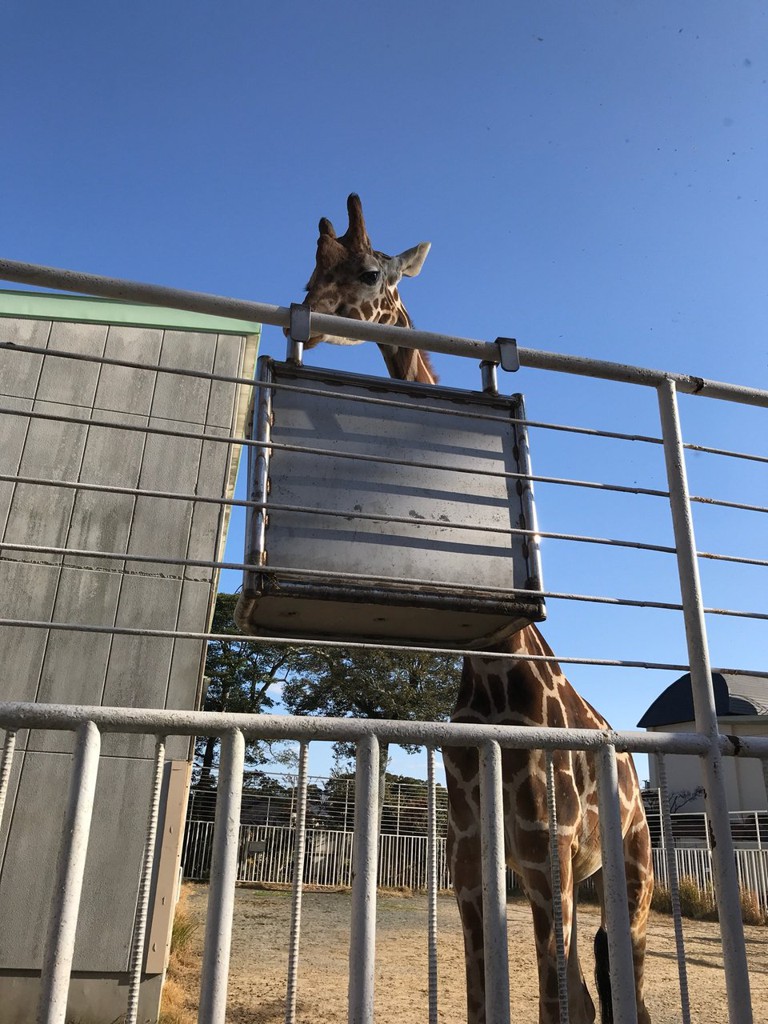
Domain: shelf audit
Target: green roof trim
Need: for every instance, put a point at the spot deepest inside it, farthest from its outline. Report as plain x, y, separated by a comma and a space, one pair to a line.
84, 309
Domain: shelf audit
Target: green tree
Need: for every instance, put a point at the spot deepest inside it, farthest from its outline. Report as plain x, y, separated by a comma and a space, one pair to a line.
240, 674
348, 683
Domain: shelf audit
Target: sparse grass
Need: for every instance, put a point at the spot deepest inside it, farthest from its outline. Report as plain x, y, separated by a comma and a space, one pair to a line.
700, 905
750, 908
182, 980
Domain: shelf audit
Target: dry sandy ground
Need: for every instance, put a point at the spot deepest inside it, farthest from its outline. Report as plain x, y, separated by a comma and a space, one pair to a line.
260, 943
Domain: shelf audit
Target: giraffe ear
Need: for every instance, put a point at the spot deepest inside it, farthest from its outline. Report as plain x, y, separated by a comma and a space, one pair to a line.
410, 262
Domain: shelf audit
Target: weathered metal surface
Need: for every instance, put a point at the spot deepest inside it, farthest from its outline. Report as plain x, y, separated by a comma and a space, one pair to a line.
428, 555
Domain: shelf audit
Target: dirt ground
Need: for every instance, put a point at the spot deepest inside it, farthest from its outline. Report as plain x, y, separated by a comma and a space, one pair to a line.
260, 942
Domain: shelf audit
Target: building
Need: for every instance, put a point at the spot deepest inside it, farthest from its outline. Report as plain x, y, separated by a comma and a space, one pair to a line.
741, 703
114, 438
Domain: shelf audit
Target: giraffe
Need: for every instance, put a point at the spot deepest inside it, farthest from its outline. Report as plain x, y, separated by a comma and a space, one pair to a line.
352, 279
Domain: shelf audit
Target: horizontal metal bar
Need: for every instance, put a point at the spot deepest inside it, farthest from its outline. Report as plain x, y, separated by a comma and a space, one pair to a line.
250, 443
178, 634
721, 503
200, 302
129, 364
150, 721
472, 592
339, 513
727, 452
369, 399
203, 723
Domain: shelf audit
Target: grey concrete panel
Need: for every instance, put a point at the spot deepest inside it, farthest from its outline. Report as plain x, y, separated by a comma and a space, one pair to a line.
160, 529
26, 885
13, 430
90, 998
188, 655
40, 514
102, 521
70, 381
27, 591
123, 389
184, 398
228, 362
139, 667
76, 663
90, 667
161, 525
20, 371
170, 463
112, 867
206, 519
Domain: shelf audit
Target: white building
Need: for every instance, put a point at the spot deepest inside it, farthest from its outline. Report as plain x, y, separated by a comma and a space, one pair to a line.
741, 703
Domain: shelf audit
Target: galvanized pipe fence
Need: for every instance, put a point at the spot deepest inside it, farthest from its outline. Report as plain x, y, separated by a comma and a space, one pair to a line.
90, 723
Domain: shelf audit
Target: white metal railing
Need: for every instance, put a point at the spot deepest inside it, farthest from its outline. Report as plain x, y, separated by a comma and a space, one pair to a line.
265, 854
227, 848
89, 724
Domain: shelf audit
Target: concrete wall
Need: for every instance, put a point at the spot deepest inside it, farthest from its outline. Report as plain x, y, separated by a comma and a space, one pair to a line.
744, 779
91, 668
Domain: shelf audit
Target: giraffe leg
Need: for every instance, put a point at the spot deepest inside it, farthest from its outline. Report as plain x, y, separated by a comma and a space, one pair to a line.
464, 857
463, 850
639, 873
580, 1005
638, 860
581, 1009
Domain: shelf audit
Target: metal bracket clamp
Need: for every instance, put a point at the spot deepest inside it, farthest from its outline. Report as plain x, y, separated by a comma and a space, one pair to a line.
510, 359
298, 332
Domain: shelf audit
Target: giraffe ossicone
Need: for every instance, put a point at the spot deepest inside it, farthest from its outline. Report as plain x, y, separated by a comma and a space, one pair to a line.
352, 279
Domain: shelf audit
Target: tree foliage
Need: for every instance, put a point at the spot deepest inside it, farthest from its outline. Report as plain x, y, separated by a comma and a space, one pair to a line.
335, 681
240, 675
349, 683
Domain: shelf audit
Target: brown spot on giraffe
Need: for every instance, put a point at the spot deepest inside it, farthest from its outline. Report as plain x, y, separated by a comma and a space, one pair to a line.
353, 279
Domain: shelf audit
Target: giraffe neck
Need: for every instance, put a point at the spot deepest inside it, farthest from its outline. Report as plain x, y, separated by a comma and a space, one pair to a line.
406, 363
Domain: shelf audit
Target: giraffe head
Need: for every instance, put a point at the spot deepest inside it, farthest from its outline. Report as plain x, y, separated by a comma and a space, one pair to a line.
353, 279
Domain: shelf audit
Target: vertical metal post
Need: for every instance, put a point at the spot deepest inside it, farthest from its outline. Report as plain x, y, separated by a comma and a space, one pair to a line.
489, 377
298, 886
557, 891
615, 888
362, 945
68, 884
723, 854
9, 746
142, 903
670, 852
221, 895
432, 884
494, 885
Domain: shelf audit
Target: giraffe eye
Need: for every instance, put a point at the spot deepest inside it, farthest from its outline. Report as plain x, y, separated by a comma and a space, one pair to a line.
370, 276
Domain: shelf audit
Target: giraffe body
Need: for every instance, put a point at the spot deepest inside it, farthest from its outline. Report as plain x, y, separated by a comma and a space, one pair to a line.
352, 279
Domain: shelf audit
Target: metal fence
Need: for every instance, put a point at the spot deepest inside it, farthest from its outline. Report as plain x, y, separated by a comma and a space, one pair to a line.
272, 800
266, 853
89, 724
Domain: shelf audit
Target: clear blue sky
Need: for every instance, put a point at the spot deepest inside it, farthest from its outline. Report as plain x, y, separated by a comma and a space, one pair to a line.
592, 178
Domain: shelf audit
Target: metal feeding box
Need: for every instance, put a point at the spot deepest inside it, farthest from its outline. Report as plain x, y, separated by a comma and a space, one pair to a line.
387, 511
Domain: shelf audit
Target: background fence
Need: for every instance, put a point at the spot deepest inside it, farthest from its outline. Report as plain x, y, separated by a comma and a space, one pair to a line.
266, 844
266, 854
